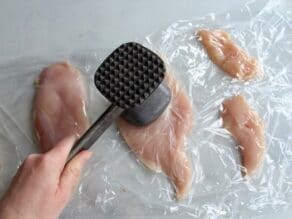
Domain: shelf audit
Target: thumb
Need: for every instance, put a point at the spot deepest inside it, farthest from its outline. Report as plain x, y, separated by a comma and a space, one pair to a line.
72, 171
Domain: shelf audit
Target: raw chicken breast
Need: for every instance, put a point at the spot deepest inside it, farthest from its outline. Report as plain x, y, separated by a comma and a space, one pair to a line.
59, 105
227, 55
247, 128
160, 145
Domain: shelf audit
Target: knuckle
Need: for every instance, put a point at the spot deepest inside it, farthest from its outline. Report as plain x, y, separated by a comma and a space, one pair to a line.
74, 172
44, 161
30, 159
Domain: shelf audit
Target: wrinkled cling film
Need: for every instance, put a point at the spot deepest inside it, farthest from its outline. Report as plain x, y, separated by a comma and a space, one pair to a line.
117, 185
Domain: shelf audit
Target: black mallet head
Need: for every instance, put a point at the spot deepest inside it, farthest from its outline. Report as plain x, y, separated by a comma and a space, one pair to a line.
130, 75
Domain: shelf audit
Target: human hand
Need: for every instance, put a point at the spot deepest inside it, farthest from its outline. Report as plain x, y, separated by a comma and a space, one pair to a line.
44, 184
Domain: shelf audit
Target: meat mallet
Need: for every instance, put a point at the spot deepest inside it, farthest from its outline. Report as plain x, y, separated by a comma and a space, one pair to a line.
131, 78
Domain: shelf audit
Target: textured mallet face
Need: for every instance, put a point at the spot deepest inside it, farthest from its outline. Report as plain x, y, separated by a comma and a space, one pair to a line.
129, 75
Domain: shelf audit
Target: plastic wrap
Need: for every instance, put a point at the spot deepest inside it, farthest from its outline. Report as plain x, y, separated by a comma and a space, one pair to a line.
117, 185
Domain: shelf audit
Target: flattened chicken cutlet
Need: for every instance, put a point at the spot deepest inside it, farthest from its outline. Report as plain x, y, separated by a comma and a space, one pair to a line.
227, 55
160, 145
59, 105
248, 129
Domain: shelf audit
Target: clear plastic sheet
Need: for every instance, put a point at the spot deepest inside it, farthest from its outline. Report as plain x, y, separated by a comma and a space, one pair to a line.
116, 185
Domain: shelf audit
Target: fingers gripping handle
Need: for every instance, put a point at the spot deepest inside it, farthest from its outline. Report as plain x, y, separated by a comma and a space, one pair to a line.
96, 130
